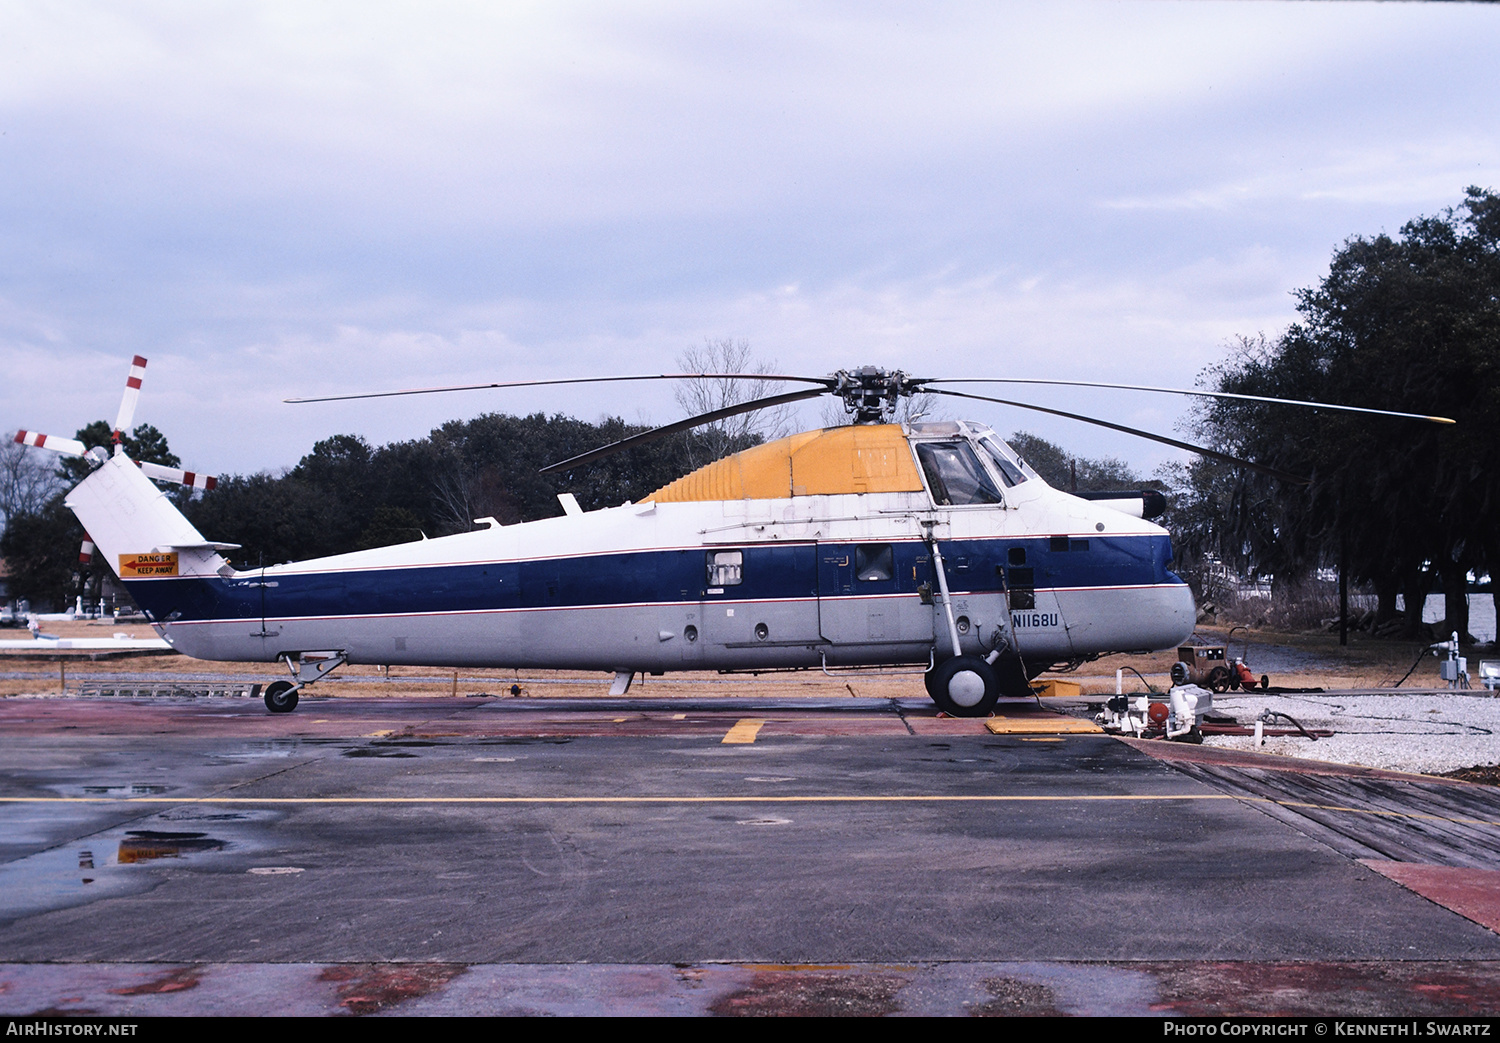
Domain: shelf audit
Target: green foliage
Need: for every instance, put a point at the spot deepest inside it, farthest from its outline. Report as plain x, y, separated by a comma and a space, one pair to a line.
1062, 470
144, 445
41, 552
1409, 323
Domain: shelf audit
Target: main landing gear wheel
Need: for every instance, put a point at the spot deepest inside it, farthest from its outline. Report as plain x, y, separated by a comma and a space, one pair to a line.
281, 697
964, 686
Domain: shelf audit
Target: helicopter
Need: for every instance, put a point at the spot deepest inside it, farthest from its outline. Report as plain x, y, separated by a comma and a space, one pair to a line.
870, 544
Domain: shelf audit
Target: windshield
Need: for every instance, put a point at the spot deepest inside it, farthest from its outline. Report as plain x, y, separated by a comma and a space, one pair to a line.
955, 475
1012, 470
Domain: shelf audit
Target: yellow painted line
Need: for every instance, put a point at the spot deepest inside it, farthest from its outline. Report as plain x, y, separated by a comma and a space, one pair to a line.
679, 717
914, 798
379, 735
1042, 738
835, 798
744, 730
1040, 726
619, 720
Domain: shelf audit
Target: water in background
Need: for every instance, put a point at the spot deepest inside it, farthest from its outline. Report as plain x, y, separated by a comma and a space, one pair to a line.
1481, 614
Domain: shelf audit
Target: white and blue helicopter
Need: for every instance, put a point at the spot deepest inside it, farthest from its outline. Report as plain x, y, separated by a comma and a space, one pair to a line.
871, 544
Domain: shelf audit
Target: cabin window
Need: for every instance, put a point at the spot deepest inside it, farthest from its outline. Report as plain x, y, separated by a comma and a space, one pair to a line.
1017, 555
955, 475
726, 568
874, 561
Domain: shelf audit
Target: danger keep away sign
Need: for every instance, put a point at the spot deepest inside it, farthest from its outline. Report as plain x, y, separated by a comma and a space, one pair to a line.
134, 566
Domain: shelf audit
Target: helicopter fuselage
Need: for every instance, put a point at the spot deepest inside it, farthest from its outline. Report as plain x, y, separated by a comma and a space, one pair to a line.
744, 583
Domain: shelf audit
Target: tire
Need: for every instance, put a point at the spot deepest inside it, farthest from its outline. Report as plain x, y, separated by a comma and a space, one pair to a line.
1218, 680
281, 697
963, 686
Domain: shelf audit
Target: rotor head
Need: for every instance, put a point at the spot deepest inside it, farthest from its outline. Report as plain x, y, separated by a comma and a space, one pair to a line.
871, 394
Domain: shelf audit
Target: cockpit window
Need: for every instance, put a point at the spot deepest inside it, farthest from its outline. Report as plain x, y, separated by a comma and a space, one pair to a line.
955, 475
1012, 470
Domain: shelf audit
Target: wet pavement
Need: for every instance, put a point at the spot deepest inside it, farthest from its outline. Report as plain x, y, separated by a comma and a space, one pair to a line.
594, 856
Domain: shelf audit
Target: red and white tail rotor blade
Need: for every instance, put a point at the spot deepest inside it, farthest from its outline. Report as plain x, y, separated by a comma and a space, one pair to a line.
192, 479
65, 446
86, 551
132, 395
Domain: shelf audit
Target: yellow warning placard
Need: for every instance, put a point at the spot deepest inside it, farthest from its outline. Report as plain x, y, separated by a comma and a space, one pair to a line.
133, 566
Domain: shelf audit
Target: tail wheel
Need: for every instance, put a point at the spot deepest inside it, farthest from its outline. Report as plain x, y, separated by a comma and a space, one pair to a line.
281, 697
964, 686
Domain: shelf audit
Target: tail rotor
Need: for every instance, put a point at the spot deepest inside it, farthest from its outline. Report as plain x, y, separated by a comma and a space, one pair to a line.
97, 456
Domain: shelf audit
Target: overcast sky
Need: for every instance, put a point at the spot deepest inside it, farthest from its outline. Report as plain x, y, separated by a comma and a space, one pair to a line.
270, 200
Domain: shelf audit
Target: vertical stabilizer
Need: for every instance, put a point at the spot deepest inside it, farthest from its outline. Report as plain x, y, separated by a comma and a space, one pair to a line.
139, 531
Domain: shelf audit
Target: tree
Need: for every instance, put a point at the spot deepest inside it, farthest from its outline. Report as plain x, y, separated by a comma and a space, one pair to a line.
1409, 323
1062, 470
143, 445
40, 549
347, 495
722, 437
27, 481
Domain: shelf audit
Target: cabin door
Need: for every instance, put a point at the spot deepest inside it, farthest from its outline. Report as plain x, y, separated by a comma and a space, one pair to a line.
759, 597
868, 601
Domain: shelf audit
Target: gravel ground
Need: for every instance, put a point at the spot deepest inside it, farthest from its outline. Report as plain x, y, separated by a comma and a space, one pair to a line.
1424, 732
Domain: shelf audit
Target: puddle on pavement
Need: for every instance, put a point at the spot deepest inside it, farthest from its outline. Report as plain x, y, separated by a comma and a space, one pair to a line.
275, 748
132, 790
143, 845
109, 864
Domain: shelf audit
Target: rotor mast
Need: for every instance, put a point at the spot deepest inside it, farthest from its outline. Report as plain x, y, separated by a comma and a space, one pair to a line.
870, 393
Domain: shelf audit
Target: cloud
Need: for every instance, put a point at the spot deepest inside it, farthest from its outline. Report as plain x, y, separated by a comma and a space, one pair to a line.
270, 199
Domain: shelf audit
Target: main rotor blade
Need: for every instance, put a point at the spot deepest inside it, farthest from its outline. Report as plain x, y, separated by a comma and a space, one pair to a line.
824, 381
646, 437
1284, 476
1199, 392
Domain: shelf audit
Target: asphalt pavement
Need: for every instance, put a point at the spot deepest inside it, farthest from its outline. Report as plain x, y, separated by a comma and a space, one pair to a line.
717, 856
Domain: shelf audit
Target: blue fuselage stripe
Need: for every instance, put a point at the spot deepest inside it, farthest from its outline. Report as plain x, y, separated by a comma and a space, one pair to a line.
796, 570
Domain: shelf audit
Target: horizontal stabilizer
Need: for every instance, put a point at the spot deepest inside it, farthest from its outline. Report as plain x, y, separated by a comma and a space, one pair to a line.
205, 545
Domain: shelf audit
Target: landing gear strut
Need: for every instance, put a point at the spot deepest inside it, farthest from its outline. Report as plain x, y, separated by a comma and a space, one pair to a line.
306, 667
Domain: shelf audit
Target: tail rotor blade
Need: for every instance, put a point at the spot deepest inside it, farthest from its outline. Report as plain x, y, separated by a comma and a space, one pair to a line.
132, 394
192, 479
65, 446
